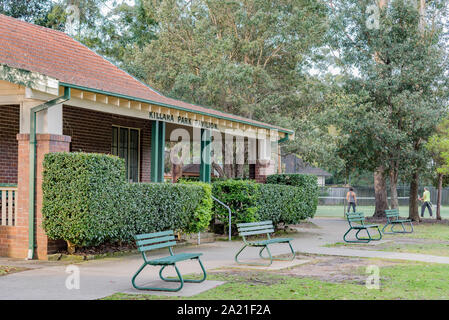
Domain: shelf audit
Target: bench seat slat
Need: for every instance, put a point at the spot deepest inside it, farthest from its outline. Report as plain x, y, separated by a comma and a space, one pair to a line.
175, 258
255, 228
153, 235
270, 241
140, 243
252, 224
365, 226
250, 233
157, 246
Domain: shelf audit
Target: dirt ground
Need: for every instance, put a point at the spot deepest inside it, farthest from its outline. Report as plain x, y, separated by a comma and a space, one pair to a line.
325, 268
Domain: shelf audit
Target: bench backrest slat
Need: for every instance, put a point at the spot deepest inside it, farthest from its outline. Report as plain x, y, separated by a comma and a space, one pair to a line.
391, 213
355, 217
157, 246
155, 240
251, 233
141, 243
153, 235
254, 228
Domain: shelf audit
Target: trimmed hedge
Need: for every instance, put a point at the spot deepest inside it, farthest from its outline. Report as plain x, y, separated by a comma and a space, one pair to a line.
81, 192
87, 201
308, 185
240, 195
250, 201
283, 204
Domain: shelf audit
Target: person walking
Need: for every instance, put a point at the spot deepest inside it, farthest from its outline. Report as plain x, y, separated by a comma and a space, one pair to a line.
426, 198
351, 198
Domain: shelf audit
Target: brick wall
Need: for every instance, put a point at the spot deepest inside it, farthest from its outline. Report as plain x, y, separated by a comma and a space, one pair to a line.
91, 132
9, 128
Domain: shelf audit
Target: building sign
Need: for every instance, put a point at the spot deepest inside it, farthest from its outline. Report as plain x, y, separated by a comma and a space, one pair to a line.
183, 120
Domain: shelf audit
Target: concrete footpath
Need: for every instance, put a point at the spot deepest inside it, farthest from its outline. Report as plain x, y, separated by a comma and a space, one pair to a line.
101, 278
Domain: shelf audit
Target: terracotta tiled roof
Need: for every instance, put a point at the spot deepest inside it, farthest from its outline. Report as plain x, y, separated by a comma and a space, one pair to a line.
55, 54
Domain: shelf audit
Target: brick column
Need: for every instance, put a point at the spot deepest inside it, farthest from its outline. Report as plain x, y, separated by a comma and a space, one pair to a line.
264, 168
46, 143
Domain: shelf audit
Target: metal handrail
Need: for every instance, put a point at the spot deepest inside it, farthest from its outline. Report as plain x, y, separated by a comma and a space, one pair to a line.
229, 210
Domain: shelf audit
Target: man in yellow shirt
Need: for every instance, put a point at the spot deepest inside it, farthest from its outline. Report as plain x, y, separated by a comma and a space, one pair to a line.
426, 204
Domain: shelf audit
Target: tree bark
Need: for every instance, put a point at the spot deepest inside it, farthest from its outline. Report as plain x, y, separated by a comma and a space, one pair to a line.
176, 172
394, 202
228, 170
413, 200
219, 169
239, 170
440, 189
380, 192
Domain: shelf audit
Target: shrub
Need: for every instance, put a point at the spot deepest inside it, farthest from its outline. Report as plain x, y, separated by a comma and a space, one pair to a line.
88, 202
283, 204
81, 192
240, 196
308, 185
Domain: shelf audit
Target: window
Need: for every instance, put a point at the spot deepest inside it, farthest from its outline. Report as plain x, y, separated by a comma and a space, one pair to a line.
125, 144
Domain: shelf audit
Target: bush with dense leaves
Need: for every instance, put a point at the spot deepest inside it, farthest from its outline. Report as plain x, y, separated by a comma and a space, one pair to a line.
80, 196
309, 190
250, 201
240, 196
87, 201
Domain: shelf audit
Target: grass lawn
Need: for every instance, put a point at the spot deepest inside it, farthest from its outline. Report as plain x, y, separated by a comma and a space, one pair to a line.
338, 211
426, 239
398, 281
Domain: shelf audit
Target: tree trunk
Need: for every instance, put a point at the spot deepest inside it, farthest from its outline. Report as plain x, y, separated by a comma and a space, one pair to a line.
413, 200
239, 170
176, 172
394, 202
440, 189
380, 192
228, 170
219, 169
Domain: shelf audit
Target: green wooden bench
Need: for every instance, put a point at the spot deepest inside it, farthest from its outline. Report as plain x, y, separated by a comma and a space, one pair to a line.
257, 228
356, 221
393, 219
157, 240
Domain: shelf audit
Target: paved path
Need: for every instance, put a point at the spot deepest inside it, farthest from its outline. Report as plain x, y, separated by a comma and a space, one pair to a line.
100, 278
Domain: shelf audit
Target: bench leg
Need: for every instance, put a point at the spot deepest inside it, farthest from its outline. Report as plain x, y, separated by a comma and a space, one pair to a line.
185, 280
280, 259
359, 240
404, 230
181, 280
369, 235
385, 226
254, 264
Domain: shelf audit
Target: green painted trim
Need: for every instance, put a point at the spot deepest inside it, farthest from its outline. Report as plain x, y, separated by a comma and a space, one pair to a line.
8, 185
287, 136
154, 150
32, 166
157, 151
205, 165
161, 152
173, 107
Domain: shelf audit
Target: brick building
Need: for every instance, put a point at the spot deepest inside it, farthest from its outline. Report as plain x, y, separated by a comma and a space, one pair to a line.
57, 95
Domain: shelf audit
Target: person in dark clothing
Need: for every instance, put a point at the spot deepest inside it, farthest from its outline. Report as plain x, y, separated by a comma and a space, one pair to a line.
351, 198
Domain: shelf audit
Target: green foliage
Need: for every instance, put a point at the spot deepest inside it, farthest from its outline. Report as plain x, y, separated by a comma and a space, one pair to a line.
300, 202
285, 204
81, 192
240, 196
250, 201
438, 146
151, 207
27, 10
202, 215
87, 201
385, 112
